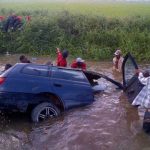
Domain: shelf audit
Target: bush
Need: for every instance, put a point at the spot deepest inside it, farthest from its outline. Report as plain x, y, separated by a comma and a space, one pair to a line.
94, 37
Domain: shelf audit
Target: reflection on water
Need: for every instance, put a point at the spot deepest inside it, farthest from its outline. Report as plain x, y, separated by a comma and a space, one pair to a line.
110, 123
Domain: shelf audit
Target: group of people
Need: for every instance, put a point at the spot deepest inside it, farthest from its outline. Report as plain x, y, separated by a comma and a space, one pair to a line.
23, 59
62, 60
143, 98
77, 63
13, 22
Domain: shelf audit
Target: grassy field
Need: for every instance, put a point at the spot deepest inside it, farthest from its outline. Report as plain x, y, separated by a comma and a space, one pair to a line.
88, 30
98, 9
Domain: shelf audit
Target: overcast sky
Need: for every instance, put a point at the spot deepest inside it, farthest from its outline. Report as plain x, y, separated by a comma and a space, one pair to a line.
71, 0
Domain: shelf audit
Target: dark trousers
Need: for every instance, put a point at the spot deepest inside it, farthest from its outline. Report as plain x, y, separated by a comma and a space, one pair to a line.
146, 122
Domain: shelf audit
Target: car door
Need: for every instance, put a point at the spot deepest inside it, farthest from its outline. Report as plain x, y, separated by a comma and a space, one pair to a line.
72, 87
132, 85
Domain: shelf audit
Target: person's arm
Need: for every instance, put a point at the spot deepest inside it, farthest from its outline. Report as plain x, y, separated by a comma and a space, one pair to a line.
57, 50
142, 79
114, 61
59, 56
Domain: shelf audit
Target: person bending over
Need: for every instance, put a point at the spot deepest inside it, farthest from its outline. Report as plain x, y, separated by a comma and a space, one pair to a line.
79, 63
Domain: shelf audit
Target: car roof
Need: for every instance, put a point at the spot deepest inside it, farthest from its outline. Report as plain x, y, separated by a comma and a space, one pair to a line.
51, 66
19, 66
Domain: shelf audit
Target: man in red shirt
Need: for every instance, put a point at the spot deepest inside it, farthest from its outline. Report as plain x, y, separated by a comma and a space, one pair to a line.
117, 61
61, 57
79, 63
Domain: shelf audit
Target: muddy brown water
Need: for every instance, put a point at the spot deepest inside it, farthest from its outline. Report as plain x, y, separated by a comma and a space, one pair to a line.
110, 123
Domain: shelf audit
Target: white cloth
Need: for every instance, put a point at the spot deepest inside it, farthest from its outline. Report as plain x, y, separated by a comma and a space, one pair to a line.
143, 98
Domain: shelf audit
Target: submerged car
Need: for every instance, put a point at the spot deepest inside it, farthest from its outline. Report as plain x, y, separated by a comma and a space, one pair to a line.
45, 91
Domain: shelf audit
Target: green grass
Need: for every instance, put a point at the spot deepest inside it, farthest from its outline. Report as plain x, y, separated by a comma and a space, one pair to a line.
98, 9
88, 30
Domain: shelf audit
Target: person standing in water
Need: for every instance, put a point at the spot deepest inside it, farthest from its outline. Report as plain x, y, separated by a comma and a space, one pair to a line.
23, 59
117, 61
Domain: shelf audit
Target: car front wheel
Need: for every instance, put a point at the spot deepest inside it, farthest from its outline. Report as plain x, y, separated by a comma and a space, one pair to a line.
44, 111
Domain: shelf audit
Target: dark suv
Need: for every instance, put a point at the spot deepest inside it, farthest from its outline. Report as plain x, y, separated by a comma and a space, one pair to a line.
44, 90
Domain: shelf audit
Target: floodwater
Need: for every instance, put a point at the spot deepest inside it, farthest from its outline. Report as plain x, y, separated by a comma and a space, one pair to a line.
110, 123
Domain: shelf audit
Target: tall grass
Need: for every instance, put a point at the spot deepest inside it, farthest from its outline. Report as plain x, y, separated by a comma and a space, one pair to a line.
94, 31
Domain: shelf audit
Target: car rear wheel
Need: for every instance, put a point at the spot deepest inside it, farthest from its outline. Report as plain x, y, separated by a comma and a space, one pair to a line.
44, 111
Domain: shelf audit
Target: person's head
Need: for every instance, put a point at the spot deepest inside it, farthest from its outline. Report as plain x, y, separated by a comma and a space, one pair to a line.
13, 14
23, 59
65, 53
7, 66
117, 53
146, 73
79, 61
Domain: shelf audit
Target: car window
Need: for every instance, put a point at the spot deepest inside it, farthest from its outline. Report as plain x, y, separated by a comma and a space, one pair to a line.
37, 70
69, 75
129, 70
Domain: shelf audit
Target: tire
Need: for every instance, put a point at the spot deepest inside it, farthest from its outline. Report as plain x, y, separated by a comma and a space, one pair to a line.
44, 111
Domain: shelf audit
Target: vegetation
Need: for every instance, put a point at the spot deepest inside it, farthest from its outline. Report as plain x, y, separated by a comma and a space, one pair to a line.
91, 31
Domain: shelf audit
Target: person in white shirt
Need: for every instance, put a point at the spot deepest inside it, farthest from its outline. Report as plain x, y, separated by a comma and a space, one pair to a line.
143, 99
117, 61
